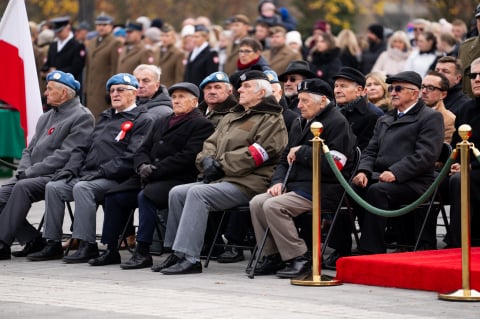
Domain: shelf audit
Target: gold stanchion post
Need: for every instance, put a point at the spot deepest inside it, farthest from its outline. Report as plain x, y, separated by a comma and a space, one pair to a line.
316, 278
464, 294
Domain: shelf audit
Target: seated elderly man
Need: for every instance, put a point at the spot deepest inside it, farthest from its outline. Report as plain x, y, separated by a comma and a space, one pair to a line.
108, 161
60, 132
398, 164
285, 253
237, 162
166, 159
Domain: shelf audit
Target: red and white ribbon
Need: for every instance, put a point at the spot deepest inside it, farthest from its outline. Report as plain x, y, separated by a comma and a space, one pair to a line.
125, 127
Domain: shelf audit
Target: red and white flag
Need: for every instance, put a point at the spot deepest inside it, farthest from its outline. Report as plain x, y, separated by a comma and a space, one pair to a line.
18, 81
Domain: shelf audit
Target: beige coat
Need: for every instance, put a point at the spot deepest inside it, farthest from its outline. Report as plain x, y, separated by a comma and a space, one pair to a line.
171, 61
279, 59
448, 121
129, 59
101, 64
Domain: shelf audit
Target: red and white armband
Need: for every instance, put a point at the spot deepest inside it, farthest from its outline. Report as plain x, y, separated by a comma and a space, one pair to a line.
339, 159
259, 154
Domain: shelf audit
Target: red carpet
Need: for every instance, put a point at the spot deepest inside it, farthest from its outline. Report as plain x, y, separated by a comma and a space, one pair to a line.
433, 270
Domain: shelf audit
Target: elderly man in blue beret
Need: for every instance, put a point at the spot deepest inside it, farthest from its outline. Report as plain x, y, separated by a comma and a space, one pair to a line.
118, 134
290, 193
59, 135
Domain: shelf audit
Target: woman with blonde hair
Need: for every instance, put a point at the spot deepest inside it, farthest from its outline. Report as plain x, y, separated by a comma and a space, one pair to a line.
392, 61
376, 91
350, 51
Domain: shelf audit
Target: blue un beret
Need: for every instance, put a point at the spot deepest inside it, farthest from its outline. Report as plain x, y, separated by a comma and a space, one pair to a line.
64, 78
272, 76
122, 78
214, 77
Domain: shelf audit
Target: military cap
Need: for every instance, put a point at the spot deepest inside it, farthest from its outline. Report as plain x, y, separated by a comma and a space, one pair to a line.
122, 78
134, 26
214, 77
352, 75
58, 24
84, 25
64, 78
190, 87
406, 76
240, 18
272, 76
253, 75
315, 86
104, 19
297, 67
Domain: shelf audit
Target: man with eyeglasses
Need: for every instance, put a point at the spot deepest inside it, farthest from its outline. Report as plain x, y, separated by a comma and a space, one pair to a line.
107, 161
433, 91
469, 51
451, 68
398, 164
469, 114
296, 72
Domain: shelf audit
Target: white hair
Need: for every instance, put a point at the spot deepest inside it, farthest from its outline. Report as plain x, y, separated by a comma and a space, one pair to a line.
150, 67
265, 85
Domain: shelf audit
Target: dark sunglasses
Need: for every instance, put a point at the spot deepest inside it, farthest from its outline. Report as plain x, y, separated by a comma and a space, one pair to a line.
397, 88
291, 78
473, 76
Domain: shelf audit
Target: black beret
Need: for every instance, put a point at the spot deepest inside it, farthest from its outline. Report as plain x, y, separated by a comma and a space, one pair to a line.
253, 75
406, 76
315, 86
352, 75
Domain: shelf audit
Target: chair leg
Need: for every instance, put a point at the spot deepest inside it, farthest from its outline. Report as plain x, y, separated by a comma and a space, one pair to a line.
122, 236
215, 238
446, 223
257, 252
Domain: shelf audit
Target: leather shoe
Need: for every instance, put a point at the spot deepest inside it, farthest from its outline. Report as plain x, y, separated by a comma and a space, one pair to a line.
183, 267
231, 255
85, 252
331, 261
296, 267
108, 257
31, 247
53, 250
169, 261
269, 265
5, 252
138, 261
72, 243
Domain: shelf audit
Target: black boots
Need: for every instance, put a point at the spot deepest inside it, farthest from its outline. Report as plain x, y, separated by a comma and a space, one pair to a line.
84, 253
141, 258
53, 250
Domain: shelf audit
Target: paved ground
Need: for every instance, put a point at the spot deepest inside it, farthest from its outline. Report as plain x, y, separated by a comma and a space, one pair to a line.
56, 290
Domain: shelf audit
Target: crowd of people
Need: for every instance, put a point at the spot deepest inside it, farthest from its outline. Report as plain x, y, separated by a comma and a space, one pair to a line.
212, 117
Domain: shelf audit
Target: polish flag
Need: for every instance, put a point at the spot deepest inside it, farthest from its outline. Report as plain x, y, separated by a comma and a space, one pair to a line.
18, 81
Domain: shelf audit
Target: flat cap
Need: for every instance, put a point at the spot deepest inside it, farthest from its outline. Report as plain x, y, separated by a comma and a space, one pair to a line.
122, 78
134, 26
104, 19
406, 76
352, 75
315, 86
58, 24
297, 67
272, 76
252, 75
190, 87
214, 77
64, 78
201, 28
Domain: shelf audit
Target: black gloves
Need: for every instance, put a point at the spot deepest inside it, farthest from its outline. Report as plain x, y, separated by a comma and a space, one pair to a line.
21, 175
212, 170
65, 174
92, 176
145, 170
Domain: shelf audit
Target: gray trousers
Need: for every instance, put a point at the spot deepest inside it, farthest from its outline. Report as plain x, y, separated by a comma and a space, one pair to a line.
188, 207
86, 195
16, 198
277, 212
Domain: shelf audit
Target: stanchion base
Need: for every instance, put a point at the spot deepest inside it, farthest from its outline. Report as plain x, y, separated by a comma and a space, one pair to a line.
308, 280
461, 295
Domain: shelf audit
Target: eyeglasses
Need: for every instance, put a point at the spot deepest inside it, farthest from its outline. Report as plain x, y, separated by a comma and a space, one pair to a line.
430, 88
245, 51
120, 90
398, 88
473, 76
418, 29
291, 78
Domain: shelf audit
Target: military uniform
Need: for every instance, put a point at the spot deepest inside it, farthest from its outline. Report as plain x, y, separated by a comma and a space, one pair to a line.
468, 51
171, 60
132, 56
278, 59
